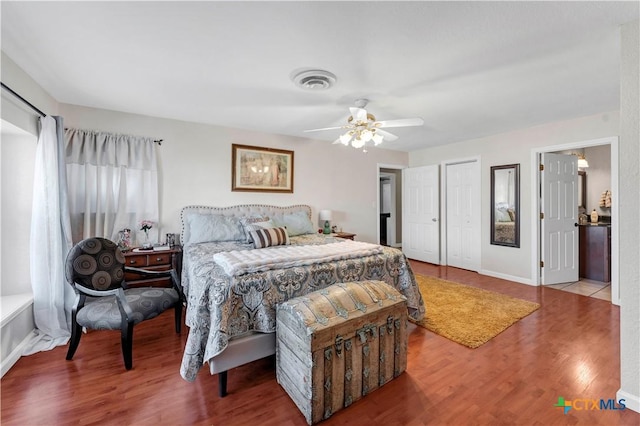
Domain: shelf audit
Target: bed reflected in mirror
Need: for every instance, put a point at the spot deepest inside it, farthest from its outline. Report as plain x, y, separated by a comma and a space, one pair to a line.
505, 202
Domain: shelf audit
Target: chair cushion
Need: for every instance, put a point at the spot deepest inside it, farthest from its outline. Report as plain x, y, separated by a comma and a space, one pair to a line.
102, 313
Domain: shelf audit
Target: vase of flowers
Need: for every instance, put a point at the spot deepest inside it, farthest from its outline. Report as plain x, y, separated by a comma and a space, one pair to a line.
145, 226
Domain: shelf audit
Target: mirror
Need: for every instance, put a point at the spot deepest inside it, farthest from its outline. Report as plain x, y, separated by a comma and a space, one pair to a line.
505, 205
582, 192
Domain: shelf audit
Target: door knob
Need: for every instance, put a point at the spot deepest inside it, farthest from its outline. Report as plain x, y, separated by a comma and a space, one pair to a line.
576, 224
434, 220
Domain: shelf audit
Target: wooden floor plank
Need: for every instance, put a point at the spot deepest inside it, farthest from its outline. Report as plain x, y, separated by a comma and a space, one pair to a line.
569, 348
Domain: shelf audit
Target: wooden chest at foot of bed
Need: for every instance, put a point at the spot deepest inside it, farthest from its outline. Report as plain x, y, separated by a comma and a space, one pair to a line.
335, 345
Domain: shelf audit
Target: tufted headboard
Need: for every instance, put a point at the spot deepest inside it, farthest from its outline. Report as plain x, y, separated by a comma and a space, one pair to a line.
239, 211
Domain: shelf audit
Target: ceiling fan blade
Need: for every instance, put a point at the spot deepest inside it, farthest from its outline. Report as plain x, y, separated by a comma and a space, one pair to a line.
387, 136
324, 128
402, 122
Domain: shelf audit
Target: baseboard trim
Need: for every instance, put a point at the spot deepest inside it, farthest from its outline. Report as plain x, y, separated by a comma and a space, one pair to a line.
632, 402
15, 354
506, 277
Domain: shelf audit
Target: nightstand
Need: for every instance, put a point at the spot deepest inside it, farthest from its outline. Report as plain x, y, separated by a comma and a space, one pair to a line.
153, 261
345, 235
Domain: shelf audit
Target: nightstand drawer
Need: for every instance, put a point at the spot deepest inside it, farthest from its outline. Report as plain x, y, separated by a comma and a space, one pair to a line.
136, 260
158, 259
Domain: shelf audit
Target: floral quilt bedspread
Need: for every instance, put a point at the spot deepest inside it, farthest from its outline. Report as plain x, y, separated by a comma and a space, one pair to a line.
220, 307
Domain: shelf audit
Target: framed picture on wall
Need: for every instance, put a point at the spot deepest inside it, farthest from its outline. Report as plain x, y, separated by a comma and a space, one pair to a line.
258, 169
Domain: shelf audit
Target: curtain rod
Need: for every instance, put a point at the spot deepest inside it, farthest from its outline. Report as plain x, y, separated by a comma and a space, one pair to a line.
14, 93
36, 109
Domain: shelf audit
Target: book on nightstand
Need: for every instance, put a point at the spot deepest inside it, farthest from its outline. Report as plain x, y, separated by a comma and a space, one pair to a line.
156, 248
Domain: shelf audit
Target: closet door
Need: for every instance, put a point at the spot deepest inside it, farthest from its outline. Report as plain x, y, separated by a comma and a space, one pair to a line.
463, 215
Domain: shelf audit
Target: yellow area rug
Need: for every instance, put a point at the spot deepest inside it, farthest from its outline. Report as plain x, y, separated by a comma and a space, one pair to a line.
468, 315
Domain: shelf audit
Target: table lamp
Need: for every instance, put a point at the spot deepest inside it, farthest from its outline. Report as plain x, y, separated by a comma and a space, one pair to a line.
326, 216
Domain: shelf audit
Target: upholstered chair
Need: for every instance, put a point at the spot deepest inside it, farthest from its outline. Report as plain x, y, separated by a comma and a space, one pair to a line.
95, 268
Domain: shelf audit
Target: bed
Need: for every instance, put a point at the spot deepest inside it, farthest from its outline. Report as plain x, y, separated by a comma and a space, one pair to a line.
231, 306
504, 225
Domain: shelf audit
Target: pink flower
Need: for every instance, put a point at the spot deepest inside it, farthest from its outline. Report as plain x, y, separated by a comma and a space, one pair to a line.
145, 225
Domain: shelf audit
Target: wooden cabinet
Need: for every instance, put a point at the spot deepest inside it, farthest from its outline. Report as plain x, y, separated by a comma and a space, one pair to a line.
595, 252
153, 261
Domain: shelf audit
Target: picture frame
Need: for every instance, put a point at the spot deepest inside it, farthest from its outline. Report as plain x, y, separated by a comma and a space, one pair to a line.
260, 169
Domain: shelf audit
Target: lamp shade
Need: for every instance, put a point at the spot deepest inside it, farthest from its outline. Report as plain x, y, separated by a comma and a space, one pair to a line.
325, 214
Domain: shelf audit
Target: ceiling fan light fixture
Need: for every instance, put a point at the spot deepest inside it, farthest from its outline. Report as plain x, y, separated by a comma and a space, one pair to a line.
314, 79
346, 138
377, 139
357, 143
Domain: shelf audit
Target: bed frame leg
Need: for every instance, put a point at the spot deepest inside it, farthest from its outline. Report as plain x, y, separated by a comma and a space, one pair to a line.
222, 384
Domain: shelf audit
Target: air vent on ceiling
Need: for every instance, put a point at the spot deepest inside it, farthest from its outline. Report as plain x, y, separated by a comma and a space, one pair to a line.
314, 79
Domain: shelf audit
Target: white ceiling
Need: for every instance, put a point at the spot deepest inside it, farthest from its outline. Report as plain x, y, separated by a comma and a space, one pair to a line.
469, 69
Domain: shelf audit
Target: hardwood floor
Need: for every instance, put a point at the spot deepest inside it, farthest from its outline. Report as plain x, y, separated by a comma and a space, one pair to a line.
568, 348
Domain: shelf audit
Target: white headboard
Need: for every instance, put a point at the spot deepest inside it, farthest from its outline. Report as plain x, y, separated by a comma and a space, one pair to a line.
239, 211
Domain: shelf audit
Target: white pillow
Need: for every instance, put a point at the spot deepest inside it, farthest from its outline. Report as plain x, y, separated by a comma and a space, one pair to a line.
297, 223
213, 227
252, 223
502, 215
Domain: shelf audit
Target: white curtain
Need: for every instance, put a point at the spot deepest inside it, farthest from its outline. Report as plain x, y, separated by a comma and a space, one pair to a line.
50, 242
113, 184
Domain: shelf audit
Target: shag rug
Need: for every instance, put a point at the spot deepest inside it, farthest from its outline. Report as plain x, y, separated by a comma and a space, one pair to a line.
468, 315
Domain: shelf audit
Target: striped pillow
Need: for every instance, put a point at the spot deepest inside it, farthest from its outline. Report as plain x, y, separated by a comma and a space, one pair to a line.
267, 237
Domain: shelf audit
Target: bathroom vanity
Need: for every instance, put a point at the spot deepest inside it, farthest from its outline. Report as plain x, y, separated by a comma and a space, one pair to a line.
595, 251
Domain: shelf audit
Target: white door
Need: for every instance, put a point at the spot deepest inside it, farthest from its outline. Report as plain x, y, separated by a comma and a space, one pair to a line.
559, 218
463, 215
421, 214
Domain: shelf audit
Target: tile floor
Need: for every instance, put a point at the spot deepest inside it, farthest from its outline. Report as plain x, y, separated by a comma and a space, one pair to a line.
585, 287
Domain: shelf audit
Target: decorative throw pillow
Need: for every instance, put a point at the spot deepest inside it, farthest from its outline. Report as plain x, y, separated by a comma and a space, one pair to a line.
213, 227
252, 223
267, 237
297, 223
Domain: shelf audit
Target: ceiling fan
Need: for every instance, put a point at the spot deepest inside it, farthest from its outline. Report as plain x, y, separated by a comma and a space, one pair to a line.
362, 127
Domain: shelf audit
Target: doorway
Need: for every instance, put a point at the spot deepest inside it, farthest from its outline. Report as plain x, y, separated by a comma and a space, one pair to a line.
389, 205
538, 248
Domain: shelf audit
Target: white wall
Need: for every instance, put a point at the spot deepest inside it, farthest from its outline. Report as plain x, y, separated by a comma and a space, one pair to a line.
17, 162
629, 223
510, 148
19, 127
15, 111
195, 168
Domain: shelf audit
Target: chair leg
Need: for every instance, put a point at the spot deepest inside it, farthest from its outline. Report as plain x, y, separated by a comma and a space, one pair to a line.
76, 334
178, 314
127, 344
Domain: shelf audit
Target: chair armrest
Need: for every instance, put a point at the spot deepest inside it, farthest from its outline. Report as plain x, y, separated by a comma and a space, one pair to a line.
166, 273
123, 305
